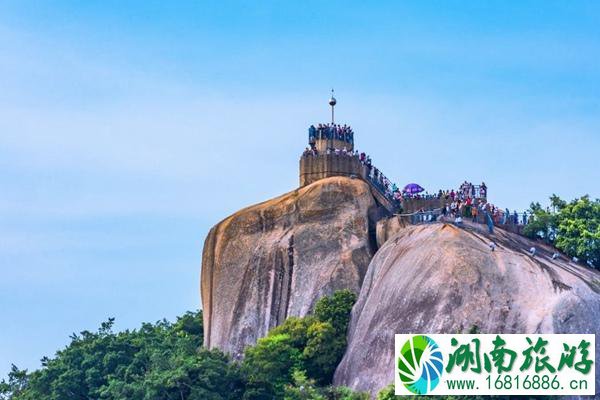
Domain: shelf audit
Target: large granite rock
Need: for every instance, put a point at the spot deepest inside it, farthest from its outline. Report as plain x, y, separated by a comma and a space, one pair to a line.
276, 259
441, 279
385, 228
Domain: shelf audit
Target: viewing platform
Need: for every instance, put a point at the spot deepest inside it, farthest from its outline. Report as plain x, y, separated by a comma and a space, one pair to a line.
331, 152
331, 136
315, 165
477, 193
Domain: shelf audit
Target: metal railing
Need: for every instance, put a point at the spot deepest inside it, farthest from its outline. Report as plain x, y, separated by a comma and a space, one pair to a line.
422, 217
328, 132
379, 182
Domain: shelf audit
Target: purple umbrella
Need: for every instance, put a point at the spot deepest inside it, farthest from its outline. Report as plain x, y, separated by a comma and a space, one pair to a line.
413, 188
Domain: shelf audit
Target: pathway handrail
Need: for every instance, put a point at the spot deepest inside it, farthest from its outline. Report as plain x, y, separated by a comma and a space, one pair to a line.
419, 217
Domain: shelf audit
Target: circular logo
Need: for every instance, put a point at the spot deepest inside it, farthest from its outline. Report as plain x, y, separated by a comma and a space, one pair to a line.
420, 364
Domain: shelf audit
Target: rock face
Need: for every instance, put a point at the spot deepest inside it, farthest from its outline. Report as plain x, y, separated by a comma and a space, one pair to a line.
386, 228
276, 259
441, 279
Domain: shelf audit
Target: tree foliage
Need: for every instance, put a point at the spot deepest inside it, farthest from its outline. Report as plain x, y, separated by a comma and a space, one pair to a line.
270, 363
336, 310
573, 227
387, 393
313, 344
158, 361
165, 361
302, 388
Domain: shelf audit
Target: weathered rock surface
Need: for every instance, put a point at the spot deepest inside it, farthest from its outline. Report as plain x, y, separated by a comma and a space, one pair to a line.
441, 279
276, 259
386, 228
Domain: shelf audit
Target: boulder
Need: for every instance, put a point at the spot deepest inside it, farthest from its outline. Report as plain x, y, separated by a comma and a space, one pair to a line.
276, 259
385, 228
438, 278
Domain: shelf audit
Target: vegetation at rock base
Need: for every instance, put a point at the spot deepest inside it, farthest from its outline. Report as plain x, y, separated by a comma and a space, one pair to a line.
573, 227
303, 388
157, 361
388, 394
166, 361
313, 344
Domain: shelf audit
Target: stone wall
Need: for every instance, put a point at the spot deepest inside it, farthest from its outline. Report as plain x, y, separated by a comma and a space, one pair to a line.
323, 144
316, 167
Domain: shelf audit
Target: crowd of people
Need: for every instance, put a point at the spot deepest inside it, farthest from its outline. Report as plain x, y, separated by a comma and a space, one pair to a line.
374, 175
388, 188
330, 131
477, 209
468, 201
505, 217
312, 151
474, 209
466, 191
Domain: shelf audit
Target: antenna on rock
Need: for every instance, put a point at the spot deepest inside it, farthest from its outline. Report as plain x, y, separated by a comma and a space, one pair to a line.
332, 103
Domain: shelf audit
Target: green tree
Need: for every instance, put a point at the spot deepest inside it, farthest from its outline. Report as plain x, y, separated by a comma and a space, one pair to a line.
344, 393
312, 344
573, 227
326, 337
158, 361
16, 385
270, 363
323, 352
387, 393
305, 388
302, 388
542, 224
165, 361
578, 229
336, 310
296, 328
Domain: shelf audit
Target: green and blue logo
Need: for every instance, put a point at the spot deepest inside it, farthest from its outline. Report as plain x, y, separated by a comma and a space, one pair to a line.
420, 364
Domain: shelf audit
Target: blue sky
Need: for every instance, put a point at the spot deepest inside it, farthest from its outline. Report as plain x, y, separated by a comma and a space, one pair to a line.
127, 129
